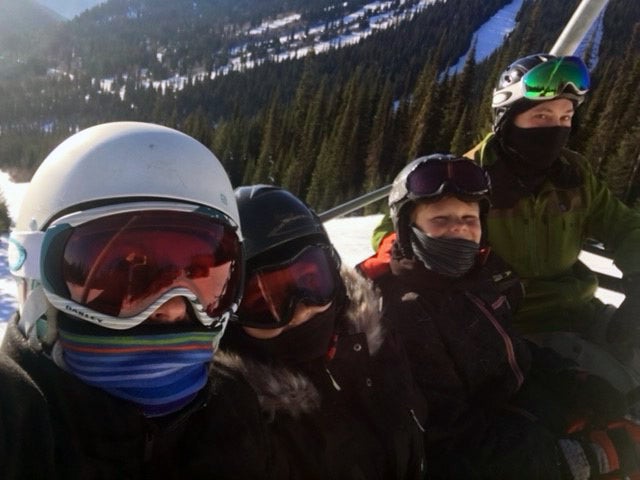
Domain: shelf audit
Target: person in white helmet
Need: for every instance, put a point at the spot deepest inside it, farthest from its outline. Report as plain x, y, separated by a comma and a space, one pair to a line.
128, 255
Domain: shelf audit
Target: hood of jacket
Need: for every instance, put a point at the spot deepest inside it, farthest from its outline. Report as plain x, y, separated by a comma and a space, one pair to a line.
284, 389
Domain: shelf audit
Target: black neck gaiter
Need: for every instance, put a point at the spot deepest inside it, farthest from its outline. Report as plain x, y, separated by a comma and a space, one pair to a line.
534, 149
294, 346
452, 257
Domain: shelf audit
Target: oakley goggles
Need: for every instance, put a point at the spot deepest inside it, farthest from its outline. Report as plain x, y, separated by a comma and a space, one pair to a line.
113, 266
272, 293
435, 176
547, 81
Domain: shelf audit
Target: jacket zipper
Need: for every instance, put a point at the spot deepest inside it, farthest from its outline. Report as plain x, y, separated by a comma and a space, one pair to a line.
511, 355
333, 380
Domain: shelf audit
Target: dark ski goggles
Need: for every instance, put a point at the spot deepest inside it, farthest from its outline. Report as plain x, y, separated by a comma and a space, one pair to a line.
547, 81
436, 176
272, 292
115, 269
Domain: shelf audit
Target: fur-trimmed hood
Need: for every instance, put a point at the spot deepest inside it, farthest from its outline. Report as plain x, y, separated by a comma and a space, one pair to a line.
281, 389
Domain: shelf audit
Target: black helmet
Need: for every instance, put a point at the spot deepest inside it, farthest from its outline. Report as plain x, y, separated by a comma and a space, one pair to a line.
272, 217
433, 177
566, 77
279, 228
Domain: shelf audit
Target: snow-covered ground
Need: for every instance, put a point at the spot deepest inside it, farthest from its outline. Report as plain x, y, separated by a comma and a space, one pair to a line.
351, 236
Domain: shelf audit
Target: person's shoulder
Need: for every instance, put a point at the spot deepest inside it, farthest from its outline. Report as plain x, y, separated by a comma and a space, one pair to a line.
576, 159
482, 151
15, 378
15, 381
26, 436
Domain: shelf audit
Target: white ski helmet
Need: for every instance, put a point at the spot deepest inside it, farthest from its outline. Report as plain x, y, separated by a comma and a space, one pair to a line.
124, 161
118, 167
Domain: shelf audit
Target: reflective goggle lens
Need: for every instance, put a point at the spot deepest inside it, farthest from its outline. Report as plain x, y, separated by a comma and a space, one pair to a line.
120, 264
549, 79
271, 293
462, 176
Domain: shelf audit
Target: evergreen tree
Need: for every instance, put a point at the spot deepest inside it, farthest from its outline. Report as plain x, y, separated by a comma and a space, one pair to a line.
379, 145
620, 95
265, 165
296, 177
463, 136
197, 126
623, 175
336, 164
426, 113
402, 134
5, 219
461, 91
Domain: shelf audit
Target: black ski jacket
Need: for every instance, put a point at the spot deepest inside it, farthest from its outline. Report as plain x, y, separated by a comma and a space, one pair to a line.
53, 426
489, 417
355, 416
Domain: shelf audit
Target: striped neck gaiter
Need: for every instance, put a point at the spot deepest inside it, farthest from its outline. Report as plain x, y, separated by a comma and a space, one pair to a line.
160, 372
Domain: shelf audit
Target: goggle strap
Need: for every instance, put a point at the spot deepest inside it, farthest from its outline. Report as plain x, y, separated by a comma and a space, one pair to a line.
35, 306
269, 298
24, 253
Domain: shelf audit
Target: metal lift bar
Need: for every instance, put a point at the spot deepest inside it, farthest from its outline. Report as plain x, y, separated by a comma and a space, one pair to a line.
577, 27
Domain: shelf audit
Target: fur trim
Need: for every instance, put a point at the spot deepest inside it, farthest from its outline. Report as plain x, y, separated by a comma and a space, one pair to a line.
363, 312
280, 389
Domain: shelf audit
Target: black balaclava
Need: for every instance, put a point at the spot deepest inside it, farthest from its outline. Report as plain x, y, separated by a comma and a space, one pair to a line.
298, 345
530, 153
534, 149
452, 257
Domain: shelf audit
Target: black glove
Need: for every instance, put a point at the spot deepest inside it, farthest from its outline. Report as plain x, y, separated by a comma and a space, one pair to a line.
624, 327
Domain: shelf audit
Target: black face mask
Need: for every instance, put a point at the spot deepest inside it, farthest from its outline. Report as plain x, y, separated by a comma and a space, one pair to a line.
297, 345
535, 148
452, 257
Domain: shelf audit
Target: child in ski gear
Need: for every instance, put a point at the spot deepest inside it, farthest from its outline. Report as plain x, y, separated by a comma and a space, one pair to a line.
499, 407
127, 252
336, 387
545, 202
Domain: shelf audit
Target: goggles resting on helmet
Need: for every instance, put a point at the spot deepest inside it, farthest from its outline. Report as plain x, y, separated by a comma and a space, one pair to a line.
546, 81
434, 177
115, 265
272, 292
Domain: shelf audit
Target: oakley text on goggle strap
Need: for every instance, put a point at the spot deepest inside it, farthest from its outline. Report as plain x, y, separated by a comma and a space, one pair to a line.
272, 293
459, 176
115, 269
546, 81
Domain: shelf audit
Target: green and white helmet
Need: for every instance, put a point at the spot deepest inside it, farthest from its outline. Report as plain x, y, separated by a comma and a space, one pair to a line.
537, 78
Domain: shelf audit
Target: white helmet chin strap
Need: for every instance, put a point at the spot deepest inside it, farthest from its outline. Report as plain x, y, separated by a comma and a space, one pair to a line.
35, 308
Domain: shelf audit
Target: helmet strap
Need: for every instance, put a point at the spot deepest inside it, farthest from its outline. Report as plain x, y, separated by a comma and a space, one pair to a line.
404, 231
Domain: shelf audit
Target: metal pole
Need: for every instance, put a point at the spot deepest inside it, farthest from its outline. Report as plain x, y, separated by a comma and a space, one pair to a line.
355, 204
577, 27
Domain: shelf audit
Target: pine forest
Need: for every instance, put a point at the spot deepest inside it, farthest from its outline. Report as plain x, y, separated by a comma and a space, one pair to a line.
328, 127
